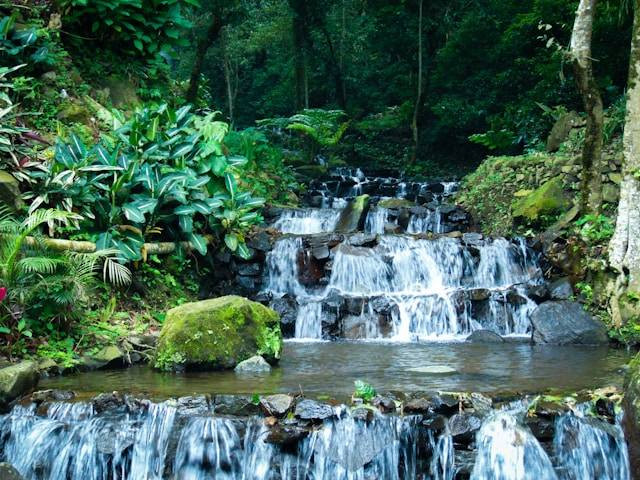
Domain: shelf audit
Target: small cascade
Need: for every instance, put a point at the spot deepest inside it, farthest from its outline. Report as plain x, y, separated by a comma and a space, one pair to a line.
587, 447
442, 466
377, 218
430, 221
306, 222
282, 265
509, 451
309, 321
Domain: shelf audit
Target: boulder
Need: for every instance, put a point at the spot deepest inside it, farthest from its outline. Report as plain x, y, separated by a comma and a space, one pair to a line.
561, 129
631, 419
548, 199
16, 380
463, 427
353, 216
109, 356
217, 334
255, 364
561, 289
238, 405
8, 472
484, 336
9, 191
312, 410
566, 323
277, 405
123, 92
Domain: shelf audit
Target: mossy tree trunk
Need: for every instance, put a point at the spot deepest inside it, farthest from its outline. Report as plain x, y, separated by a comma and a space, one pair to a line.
624, 251
591, 183
212, 34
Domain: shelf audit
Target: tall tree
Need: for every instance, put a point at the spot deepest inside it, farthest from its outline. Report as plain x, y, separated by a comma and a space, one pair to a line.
211, 35
624, 251
301, 44
416, 110
591, 184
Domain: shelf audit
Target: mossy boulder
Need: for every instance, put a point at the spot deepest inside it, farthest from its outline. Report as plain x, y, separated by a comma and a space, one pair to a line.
17, 380
353, 216
122, 92
395, 203
10, 191
218, 334
548, 199
75, 111
631, 419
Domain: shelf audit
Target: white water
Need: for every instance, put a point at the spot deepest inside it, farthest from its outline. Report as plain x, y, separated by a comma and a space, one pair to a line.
307, 221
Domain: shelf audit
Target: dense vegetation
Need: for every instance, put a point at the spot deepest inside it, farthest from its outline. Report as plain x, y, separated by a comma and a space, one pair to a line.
131, 129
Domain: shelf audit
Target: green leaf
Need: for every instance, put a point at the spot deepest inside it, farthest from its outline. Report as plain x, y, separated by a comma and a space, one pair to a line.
230, 183
184, 210
231, 240
243, 251
132, 213
186, 223
219, 165
199, 243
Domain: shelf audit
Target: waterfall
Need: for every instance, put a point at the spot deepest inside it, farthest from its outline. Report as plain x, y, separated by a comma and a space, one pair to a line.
282, 265
309, 321
376, 219
509, 451
307, 221
442, 466
426, 222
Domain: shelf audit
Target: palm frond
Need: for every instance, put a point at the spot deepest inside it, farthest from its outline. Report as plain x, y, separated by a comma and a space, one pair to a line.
115, 272
42, 265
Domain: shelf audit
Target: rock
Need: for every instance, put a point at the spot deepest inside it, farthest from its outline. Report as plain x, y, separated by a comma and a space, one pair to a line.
384, 404
392, 228
48, 367
484, 336
321, 253
218, 333
463, 427
287, 308
537, 293
255, 364
123, 92
615, 177
561, 289
16, 380
312, 410
75, 111
286, 436
522, 193
277, 405
193, 405
363, 240
481, 403
561, 129
108, 401
433, 370
10, 191
8, 472
353, 216
238, 405
395, 203
631, 419
610, 193
566, 323
430, 404
479, 294
250, 269
260, 241
48, 396
548, 199
473, 238
109, 357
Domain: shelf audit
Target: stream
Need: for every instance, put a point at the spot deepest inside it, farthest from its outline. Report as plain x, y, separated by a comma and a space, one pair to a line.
388, 294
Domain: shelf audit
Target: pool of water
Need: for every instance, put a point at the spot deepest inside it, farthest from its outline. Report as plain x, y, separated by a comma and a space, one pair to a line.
331, 368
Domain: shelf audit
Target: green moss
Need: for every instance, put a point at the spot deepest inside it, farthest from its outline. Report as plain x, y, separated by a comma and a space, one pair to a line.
396, 203
352, 217
218, 333
548, 199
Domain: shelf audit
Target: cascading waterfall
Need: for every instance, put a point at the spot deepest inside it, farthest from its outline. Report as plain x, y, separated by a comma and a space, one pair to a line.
307, 221
376, 219
426, 222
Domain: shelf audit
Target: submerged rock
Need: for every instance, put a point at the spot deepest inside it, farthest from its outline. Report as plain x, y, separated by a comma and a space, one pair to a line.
434, 370
566, 323
255, 364
8, 472
218, 333
485, 336
17, 380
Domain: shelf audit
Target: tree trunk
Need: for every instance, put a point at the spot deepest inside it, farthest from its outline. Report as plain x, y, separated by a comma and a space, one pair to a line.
336, 71
624, 250
300, 43
226, 61
416, 110
591, 182
213, 32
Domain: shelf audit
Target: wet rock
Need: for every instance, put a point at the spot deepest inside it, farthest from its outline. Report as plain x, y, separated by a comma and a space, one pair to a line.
321, 253
355, 327
384, 404
433, 370
538, 293
481, 403
363, 240
16, 380
431, 404
564, 323
561, 289
312, 410
631, 419
287, 308
48, 367
109, 357
542, 428
484, 336
8, 472
108, 401
48, 396
193, 405
237, 405
473, 238
463, 427
286, 436
260, 241
255, 364
479, 294
392, 228
277, 405
250, 269
353, 216
362, 413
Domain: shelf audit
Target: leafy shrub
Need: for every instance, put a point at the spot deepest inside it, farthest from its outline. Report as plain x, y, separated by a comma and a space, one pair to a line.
163, 172
364, 391
28, 44
139, 28
595, 229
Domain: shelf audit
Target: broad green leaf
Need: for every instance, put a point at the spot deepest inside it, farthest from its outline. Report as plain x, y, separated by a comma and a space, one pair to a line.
132, 213
184, 210
186, 223
243, 251
231, 240
230, 183
198, 242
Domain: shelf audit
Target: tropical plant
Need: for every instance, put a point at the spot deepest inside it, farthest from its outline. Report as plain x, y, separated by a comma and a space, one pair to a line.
27, 43
43, 288
139, 28
164, 171
364, 391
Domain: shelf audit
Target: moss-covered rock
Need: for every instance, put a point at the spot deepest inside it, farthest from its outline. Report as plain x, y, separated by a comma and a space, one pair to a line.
17, 380
395, 203
122, 92
632, 413
9, 191
75, 111
548, 199
218, 334
353, 216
